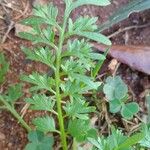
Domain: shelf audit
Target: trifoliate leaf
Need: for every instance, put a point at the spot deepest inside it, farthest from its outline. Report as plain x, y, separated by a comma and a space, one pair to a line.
41, 54
79, 109
115, 88
14, 93
40, 81
37, 141
40, 102
4, 66
45, 124
79, 129
129, 109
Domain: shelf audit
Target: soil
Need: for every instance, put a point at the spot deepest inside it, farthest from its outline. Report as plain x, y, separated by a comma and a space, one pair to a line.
12, 135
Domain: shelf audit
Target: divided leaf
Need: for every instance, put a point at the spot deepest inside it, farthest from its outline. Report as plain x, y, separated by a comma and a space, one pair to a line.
14, 93
38, 141
40, 81
40, 102
98, 37
81, 130
45, 124
79, 3
145, 142
41, 54
79, 109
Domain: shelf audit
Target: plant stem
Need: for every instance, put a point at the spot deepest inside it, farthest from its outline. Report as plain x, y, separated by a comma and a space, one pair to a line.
15, 114
74, 145
58, 95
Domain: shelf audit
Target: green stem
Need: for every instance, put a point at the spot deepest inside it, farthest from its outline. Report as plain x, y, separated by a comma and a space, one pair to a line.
15, 114
74, 146
58, 95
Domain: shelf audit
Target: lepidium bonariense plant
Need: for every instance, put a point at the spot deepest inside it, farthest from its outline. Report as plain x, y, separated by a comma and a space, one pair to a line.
73, 65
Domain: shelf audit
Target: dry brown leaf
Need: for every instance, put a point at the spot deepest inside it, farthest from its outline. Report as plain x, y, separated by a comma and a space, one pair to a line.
137, 57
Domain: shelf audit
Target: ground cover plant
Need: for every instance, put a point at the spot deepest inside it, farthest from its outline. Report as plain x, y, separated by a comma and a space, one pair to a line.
74, 67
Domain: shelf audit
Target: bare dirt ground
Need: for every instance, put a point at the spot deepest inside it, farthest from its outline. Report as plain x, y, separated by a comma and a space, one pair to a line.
12, 135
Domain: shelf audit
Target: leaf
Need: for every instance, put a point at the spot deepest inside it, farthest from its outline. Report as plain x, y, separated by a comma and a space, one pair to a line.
45, 124
115, 106
87, 80
40, 102
115, 88
98, 37
82, 24
47, 12
32, 21
14, 93
79, 109
4, 66
124, 12
37, 141
130, 55
79, 3
80, 129
145, 142
40, 81
40, 54
130, 141
130, 109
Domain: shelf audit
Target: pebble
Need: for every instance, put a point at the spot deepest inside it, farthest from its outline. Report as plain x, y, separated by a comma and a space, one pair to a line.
2, 136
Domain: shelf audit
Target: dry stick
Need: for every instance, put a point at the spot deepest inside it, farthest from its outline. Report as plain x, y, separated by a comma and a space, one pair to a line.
128, 28
7, 32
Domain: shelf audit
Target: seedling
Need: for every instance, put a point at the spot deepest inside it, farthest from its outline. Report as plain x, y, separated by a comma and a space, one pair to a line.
71, 63
116, 92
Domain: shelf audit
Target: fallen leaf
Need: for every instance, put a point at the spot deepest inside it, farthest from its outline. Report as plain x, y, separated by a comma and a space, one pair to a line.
137, 57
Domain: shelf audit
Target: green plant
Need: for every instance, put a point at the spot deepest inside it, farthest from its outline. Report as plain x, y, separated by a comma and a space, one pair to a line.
116, 141
4, 66
8, 100
73, 67
116, 92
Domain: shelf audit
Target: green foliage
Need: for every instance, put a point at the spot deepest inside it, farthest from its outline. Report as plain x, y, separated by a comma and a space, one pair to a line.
41, 102
116, 92
145, 142
70, 80
116, 141
38, 141
80, 129
45, 124
40, 81
4, 66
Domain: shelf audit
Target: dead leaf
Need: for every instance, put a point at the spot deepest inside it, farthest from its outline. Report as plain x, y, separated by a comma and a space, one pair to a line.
137, 57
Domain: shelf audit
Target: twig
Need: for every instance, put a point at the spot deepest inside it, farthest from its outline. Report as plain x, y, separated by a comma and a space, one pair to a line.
128, 28
7, 32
